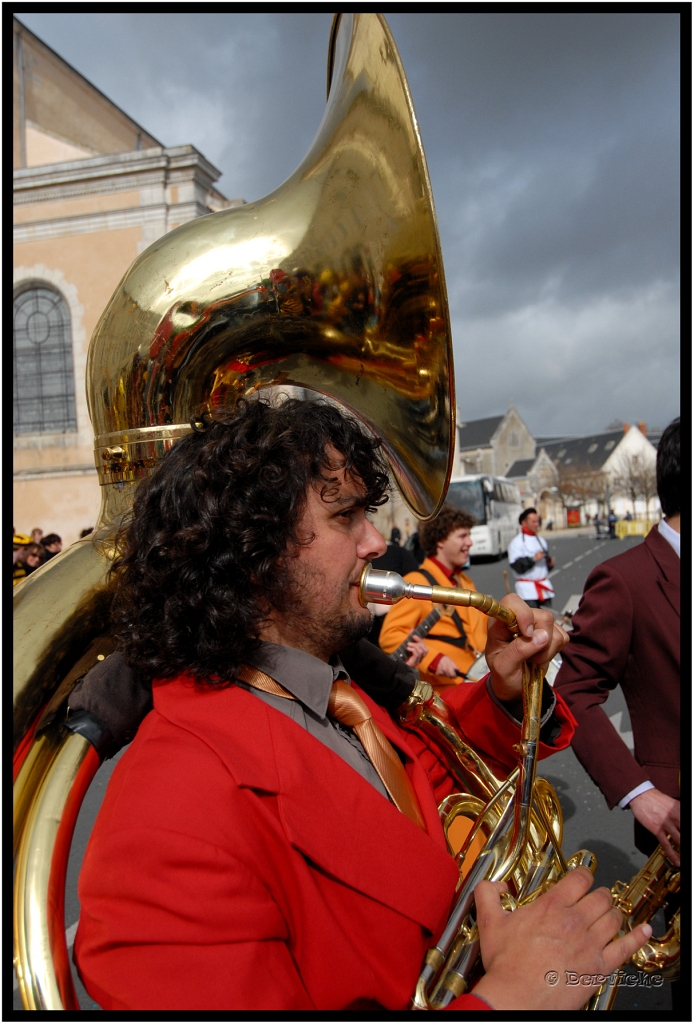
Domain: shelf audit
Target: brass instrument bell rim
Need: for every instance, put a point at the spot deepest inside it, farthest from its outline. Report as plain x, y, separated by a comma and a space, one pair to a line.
163, 352
332, 40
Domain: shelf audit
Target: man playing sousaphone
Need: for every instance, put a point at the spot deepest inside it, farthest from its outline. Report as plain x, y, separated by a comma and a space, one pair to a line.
270, 840
458, 638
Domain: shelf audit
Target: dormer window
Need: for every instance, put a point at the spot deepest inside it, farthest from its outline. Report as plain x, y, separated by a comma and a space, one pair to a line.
610, 444
592, 448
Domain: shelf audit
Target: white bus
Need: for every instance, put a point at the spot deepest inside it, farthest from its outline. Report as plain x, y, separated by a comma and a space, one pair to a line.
495, 503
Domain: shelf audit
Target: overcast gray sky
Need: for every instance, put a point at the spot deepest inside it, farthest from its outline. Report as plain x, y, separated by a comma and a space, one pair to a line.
553, 146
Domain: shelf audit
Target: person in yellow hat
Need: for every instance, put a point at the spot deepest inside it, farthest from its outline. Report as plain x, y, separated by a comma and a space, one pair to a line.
26, 557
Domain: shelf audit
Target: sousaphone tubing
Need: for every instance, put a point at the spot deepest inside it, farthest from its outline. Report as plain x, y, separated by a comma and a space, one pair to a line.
333, 283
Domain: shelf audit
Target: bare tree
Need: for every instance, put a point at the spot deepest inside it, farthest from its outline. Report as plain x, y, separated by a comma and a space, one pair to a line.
635, 477
649, 486
579, 484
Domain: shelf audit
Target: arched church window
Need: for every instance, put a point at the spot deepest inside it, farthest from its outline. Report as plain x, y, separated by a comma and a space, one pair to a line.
43, 376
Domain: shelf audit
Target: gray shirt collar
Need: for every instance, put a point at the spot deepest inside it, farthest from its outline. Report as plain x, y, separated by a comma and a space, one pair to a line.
307, 678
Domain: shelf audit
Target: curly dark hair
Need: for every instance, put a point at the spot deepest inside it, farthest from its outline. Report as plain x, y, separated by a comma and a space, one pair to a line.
448, 519
200, 561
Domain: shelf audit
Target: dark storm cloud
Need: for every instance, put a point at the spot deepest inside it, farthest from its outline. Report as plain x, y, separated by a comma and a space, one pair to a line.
552, 143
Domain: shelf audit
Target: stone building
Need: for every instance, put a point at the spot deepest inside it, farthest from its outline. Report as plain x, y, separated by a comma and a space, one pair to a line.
538, 480
590, 472
493, 444
541, 467
92, 189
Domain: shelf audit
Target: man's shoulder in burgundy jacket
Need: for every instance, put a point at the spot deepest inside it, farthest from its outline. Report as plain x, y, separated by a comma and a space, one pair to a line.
627, 633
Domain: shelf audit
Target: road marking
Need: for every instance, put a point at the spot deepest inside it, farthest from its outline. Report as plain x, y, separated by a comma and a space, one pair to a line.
69, 939
576, 559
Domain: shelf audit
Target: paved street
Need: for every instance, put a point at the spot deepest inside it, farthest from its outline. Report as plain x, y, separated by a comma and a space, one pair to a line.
588, 823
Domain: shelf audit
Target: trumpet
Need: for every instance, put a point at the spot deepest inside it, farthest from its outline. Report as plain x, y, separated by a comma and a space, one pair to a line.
519, 818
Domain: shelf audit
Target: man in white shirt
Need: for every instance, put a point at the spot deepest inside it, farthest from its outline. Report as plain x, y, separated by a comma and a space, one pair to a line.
531, 562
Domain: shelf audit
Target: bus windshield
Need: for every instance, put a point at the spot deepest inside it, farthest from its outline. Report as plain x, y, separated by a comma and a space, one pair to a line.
469, 496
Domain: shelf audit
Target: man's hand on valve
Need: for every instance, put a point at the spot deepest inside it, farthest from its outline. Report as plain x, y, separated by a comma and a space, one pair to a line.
532, 954
660, 814
541, 638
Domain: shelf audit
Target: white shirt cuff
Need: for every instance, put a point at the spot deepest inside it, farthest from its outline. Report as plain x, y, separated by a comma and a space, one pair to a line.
643, 788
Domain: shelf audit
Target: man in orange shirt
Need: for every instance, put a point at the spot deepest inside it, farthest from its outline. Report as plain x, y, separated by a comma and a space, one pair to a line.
460, 635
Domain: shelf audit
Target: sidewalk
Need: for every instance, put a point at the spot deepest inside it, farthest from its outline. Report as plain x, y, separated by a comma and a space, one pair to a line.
589, 531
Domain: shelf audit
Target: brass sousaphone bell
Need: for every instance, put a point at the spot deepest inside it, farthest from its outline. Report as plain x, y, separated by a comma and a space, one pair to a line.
334, 283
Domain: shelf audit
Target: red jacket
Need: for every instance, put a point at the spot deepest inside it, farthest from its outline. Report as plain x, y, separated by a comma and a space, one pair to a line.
239, 864
627, 633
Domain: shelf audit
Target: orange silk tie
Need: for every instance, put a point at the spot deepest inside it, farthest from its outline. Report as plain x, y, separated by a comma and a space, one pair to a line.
347, 707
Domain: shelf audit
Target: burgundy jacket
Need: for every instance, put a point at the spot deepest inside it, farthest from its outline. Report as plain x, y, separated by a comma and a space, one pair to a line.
627, 633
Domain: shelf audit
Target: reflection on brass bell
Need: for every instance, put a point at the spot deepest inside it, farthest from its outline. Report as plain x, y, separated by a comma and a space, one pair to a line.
333, 283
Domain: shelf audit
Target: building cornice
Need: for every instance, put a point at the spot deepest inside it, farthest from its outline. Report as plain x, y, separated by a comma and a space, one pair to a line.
46, 472
115, 172
146, 178
108, 220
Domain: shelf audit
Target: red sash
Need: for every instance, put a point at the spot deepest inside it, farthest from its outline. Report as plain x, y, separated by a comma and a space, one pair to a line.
540, 586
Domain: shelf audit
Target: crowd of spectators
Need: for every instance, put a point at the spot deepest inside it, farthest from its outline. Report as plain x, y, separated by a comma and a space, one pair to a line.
31, 551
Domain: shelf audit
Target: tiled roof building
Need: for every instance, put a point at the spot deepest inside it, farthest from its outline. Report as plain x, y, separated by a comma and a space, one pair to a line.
591, 451
503, 446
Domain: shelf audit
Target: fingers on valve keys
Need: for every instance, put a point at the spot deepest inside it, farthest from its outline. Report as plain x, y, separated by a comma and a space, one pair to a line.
541, 636
531, 955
